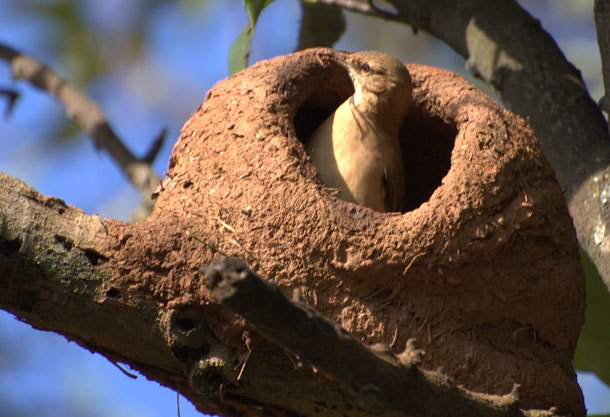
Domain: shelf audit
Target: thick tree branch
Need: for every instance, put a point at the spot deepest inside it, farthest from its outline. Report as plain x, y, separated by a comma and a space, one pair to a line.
85, 114
378, 378
55, 275
320, 26
506, 47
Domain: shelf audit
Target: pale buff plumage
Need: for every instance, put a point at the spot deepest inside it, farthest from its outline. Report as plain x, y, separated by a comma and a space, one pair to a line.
357, 149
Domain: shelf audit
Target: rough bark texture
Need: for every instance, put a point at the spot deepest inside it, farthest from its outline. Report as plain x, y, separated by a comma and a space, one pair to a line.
483, 269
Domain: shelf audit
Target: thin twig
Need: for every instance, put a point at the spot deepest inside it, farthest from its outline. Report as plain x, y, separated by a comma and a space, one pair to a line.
81, 110
154, 147
125, 371
11, 97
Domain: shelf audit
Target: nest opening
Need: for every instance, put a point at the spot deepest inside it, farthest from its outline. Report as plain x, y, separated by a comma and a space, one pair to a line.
426, 139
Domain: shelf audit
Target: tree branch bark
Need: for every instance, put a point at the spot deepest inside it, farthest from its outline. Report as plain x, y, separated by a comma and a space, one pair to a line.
50, 251
380, 380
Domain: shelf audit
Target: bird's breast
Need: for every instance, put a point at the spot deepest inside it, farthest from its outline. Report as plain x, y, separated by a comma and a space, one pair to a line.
352, 154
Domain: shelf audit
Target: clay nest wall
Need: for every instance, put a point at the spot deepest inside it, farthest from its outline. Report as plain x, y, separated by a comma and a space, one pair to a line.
482, 269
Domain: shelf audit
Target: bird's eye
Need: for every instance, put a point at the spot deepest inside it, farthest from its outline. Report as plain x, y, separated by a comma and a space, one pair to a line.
366, 67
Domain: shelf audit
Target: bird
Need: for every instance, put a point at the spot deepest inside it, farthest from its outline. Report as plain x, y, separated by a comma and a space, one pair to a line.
357, 148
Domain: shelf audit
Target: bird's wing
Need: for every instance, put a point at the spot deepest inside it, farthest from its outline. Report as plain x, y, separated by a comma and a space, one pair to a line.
387, 191
393, 190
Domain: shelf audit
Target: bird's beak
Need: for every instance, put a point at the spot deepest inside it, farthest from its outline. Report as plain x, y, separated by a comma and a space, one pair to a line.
338, 57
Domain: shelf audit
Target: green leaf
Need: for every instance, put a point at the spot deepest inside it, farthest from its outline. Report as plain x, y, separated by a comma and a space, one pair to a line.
254, 9
593, 349
240, 50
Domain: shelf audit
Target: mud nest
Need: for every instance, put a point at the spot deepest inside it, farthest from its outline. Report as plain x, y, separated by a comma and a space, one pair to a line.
482, 268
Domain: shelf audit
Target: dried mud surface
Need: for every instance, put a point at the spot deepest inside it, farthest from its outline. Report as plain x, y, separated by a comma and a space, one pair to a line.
482, 269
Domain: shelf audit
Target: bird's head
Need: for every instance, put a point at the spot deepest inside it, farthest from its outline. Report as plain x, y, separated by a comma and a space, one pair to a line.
375, 72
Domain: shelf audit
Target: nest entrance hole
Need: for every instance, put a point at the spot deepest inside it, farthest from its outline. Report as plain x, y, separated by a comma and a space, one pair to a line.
426, 139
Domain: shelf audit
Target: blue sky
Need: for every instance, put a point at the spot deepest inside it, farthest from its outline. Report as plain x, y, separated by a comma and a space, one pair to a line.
185, 55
